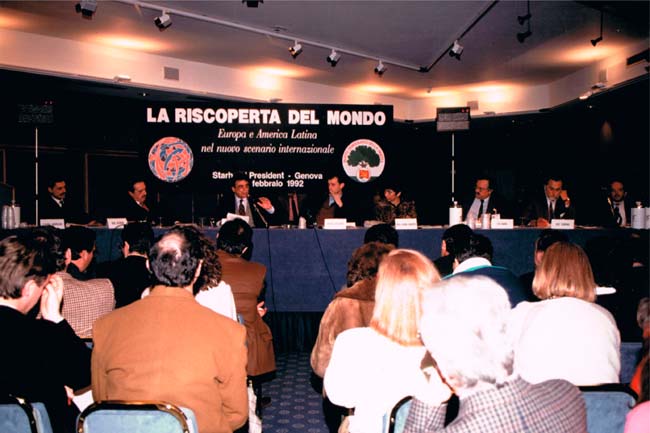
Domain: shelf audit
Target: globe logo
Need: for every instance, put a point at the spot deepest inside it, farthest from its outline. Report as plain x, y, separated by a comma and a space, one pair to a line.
171, 159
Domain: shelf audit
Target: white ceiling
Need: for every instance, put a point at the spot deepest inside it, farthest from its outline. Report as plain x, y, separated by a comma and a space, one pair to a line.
415, 33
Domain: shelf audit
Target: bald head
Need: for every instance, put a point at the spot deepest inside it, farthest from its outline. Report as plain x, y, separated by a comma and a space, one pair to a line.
175, 259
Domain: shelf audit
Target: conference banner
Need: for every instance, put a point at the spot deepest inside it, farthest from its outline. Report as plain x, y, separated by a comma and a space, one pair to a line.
281, 147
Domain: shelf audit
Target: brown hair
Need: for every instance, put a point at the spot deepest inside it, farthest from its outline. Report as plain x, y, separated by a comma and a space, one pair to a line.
403, 277
565, 272
365, 260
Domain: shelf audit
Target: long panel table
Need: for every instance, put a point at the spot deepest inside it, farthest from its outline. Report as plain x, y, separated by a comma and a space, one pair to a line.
307, 267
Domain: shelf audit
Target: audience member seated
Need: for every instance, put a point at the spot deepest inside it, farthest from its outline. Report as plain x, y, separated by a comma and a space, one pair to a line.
452, 239
351, 308
546, 238
168, 347
464, 327
84, 301
637, 418
384, 233
565, 335
40, 357
475, 258
373, 368
247, 282
393, 205
643, 319
130, 275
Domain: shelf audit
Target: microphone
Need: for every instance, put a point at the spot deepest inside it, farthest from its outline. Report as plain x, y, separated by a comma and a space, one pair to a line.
266, 224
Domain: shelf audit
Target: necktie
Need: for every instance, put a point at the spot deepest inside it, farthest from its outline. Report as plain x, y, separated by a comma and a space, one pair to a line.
617, 214
60, 203
480, 210
241, 210
291, 214
144, 206
550, 210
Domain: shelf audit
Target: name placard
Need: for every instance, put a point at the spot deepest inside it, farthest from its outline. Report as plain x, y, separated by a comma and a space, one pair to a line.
560, 224
406, 224
503, 223
58, 223
335, 224
116, 223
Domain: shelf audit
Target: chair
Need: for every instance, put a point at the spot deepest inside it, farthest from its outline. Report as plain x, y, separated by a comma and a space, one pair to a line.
630, 358
117, 416
607, 407
397, 416
19, 416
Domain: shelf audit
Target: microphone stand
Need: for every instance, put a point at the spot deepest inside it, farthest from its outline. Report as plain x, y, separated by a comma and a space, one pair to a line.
266, 224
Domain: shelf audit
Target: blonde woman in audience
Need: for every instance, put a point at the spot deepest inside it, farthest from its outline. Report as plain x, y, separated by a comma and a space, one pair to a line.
566, 335
372, 368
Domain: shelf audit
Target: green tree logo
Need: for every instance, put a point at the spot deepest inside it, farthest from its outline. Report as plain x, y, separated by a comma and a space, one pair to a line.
363, 156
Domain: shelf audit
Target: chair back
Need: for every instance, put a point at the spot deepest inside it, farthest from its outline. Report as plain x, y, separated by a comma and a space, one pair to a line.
397, 416
19, 416
117, 416
630, 358
607, 407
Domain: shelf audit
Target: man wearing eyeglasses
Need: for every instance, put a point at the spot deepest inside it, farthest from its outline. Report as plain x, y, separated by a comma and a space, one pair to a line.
485, 200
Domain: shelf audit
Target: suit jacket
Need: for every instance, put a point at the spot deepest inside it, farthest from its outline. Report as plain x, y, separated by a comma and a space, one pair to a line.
132, 211
129, 277
49, 209
351, 210
38, 358
283, 205
261, 218
496, 202
554, 406
168, 347
538, 208
85, 301
246, 279
606, 216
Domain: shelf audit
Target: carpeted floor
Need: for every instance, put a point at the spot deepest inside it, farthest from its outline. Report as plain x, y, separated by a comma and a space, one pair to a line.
295, 404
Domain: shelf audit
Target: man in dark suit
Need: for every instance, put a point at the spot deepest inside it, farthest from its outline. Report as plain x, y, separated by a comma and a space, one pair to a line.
260, 210
555, 203
337, 204
129, 274
616, 211
135, 206
57, 206
41, 356
485, 200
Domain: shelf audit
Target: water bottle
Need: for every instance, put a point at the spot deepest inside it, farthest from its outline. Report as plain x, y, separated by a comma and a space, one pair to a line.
455, 214
638, 216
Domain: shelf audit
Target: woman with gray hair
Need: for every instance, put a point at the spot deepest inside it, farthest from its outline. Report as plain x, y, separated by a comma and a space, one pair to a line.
464, 327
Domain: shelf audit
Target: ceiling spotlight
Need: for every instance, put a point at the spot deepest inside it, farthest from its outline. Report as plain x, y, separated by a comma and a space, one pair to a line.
594, 42
295, 50
252, 3
523, 18
456, 50
86, 8
163, 21
333, 58
380, 69
521, 37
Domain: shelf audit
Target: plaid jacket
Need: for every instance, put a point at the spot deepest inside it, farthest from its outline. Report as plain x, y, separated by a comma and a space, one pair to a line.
554, 406
85, 301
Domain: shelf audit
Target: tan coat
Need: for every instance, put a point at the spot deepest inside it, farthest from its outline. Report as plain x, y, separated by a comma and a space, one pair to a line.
168, 347
246, 280
351, 308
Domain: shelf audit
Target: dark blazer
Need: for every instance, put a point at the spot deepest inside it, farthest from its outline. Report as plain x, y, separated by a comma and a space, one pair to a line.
261, 218
38, 358
496, 202
351, 209
606, 216
538, 208
129, 276
133, 212
283, 208
49, 209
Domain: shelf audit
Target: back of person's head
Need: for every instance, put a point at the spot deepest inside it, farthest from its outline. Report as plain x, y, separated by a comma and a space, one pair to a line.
174, 259
565, 271
78, 239
403, 276
384, 233
365, 260
456, 237
30, 255
548, 237
235, 237
464, 326
210, 275
478, 246
139, 236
